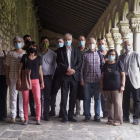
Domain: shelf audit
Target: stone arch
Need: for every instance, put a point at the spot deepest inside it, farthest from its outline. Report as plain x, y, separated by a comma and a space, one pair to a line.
116, 20
125, 11
137, 5
110, 26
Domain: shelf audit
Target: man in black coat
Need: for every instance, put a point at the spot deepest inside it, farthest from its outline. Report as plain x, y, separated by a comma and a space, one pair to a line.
69, 62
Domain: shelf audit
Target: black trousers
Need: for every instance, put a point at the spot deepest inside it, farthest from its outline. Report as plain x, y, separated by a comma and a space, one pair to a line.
46, 92
103, 105
68, 83
126, 99
3, 97
56, 84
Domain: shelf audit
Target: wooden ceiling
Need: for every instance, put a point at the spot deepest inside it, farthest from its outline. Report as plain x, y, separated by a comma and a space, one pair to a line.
77, 17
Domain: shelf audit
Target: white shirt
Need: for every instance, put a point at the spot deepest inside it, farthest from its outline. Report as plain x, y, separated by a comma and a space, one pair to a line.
68, 50
127, 55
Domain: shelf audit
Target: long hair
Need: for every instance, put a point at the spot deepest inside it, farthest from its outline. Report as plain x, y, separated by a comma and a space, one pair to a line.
32, 43
113, 50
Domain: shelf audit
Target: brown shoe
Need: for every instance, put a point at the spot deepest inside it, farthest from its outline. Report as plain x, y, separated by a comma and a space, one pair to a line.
109, 123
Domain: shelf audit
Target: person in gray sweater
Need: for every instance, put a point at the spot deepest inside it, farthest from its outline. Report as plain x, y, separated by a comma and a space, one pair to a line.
131, 61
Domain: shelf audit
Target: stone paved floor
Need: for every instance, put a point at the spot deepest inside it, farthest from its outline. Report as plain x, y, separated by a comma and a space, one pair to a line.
55, 130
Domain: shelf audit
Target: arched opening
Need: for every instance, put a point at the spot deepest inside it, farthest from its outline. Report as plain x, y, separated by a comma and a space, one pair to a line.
125, 11
110, 26
116, 20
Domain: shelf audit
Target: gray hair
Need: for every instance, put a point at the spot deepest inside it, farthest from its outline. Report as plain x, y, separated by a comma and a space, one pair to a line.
18, 38
68, 34
91, 38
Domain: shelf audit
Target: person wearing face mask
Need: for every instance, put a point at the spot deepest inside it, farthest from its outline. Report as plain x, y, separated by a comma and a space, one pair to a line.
56, 83
131, 61
27, 39
112, 85
34, 63
3, 85
48, 68
69, 63
103, 51
90, 79
80, 89
12, 66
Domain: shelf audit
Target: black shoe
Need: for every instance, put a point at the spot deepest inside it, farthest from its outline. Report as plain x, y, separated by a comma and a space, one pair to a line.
33, 114
126, 120
72, 120
46, 118
86, 119
64, 119
135, 121
97, 119
52, 113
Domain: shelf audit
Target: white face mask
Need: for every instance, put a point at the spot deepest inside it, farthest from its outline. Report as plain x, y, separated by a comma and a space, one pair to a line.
91, 46
128, 48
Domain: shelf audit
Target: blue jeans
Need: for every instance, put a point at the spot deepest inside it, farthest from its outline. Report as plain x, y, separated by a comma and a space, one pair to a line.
87, 98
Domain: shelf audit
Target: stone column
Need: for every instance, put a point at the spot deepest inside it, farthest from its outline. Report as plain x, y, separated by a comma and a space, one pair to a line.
110, 41
117, 39
134, 18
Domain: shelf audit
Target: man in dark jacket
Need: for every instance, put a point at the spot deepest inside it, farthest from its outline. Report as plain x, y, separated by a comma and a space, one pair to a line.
69, 62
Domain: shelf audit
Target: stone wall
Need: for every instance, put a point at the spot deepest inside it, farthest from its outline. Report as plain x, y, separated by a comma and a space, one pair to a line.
17, 18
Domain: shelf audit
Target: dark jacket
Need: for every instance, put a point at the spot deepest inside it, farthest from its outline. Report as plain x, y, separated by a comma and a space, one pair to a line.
62, 61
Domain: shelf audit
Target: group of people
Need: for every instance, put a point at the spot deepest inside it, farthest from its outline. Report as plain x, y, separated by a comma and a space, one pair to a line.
80, 72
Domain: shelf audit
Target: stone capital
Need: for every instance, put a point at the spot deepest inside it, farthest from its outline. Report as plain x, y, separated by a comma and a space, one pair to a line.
116, 36
134, 18
124, 29
110, 41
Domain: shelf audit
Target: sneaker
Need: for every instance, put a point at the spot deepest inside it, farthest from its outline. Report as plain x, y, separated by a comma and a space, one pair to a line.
38, 122
22, 119
97, 119
86, 119
13, 120
77, 114
25, 122
135, 121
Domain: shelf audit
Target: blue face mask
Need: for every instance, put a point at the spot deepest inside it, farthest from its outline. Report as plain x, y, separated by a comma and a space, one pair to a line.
102, 47
67, 43
18, 45
111, 57
59, 45
81, 43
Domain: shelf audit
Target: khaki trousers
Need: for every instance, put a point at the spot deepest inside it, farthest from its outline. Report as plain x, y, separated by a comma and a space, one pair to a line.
114, 105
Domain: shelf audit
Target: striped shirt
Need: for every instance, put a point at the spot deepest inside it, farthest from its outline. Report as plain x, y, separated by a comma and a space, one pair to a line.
90, 70
13, 61
2, 63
